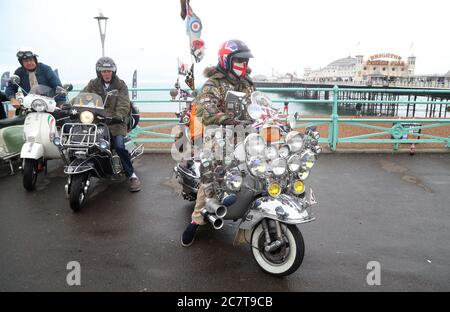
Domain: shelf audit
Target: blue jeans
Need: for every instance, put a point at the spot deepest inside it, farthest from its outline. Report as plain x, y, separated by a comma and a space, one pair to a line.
125, 157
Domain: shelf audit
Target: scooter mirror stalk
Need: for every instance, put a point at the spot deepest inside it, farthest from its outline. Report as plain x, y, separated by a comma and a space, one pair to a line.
15, 79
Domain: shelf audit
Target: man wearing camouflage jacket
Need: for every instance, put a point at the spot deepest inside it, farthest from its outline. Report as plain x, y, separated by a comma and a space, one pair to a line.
230, 74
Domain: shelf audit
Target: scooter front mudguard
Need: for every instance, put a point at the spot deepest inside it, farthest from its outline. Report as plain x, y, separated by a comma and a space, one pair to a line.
32, 150
81, 165
284, 208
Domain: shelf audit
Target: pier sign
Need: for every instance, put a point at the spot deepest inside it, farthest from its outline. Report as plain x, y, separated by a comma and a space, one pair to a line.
385, 55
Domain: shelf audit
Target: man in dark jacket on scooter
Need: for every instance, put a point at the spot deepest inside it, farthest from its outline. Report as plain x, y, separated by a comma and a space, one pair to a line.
118, 108
32, 74
230, 74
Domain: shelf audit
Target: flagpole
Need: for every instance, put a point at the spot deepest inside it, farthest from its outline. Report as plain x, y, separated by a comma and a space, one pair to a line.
190, 40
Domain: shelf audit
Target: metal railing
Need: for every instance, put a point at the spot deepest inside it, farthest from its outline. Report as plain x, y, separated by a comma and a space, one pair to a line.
401, 130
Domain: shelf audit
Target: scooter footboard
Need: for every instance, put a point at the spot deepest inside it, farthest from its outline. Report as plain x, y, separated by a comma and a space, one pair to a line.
284, 208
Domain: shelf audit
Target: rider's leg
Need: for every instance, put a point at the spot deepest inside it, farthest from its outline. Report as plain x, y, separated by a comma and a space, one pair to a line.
197, 219
125, 158
119, 146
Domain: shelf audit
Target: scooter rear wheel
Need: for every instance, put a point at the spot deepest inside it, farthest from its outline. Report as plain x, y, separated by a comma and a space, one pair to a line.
77, 196
30, 173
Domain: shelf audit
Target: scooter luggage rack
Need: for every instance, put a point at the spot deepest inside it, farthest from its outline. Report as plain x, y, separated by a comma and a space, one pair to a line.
78, 140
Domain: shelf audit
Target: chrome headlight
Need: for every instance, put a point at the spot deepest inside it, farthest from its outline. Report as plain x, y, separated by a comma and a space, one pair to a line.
104, 145
294, 163
308, 160
206, 157
39, 105
317, 149
295, 142
254, 145
303, 175
87, 117
257, 166
271, 152
298, 187
279, 166
233, 180
284, 151
239, 152
57, 141
227, 160
315, 135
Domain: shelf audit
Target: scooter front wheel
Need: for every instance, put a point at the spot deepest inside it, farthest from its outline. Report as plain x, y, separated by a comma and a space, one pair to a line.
285, 259
77, 195
30, 173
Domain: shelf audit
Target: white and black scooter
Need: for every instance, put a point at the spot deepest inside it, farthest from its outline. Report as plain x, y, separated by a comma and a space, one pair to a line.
40, 127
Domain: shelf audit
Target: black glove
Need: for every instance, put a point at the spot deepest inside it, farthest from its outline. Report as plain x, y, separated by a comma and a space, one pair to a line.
65, 106
116, 120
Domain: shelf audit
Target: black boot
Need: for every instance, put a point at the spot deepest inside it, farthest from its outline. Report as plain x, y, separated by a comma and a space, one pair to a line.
187, 239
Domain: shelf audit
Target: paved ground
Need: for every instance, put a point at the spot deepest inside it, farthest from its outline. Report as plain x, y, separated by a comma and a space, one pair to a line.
394, 209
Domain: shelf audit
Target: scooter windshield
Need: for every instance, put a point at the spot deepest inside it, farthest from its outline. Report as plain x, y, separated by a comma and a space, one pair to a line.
42, 90
88, 100
260, 105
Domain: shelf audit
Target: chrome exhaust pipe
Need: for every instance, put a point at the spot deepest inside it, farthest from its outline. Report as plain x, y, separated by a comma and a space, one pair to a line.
216, 222
213, 206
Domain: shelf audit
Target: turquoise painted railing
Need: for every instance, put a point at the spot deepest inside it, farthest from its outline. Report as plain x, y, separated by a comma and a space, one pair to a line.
400, 128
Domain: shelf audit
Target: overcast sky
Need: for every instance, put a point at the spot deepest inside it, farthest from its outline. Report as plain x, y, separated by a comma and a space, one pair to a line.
286, 35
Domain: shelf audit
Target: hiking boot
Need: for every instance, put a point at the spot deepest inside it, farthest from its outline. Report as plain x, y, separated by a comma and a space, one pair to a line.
187, 239
135, 184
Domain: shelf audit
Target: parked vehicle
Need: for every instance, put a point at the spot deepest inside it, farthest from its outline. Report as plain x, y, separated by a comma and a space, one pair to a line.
85, 143
39, 130
259, 183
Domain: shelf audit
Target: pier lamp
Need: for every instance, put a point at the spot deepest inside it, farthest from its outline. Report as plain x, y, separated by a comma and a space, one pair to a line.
102, 21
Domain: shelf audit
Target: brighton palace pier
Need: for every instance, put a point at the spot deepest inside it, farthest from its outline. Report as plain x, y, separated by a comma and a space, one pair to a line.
377, 69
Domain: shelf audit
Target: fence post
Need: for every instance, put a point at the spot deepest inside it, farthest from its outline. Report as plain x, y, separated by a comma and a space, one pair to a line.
334, 131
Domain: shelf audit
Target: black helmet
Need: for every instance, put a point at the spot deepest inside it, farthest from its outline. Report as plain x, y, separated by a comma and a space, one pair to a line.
105, 63
26, 53
230, 50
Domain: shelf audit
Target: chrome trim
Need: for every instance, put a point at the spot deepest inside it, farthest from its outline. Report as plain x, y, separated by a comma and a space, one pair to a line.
265, 207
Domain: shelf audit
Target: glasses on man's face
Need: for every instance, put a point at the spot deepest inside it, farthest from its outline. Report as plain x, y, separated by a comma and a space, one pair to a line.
25, 54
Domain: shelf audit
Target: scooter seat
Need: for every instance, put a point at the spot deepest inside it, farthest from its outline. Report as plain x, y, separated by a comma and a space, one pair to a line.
18, 120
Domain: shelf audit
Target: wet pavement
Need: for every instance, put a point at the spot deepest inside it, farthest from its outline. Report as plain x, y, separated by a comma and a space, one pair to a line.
393, 209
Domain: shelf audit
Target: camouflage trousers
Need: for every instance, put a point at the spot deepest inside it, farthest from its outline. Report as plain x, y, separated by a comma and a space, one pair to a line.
199, 205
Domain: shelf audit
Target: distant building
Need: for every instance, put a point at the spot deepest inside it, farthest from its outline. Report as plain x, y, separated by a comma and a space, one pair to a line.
376, 68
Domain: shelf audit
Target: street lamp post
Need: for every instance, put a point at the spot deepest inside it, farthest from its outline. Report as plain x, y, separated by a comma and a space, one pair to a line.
102, 21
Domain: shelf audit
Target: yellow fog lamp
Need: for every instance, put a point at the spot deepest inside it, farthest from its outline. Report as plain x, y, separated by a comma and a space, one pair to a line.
298, 187
274, 189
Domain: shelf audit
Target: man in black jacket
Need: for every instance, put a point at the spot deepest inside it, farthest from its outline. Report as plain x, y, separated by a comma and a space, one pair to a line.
31, 74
